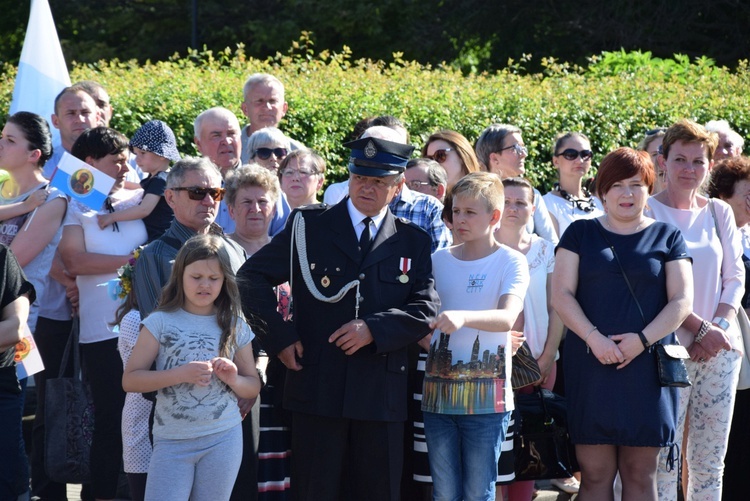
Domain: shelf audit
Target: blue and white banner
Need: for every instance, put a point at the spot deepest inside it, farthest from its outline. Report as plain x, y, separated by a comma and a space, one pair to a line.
42, 72
82, 182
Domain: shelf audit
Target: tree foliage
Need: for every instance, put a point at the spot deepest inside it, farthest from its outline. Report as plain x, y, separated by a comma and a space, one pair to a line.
473, 35
613, 99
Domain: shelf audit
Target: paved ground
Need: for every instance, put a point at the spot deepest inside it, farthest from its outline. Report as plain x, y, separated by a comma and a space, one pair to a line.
546, 493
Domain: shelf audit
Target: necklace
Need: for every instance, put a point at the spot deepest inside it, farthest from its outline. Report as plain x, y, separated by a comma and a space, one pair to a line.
586, 203
620, 231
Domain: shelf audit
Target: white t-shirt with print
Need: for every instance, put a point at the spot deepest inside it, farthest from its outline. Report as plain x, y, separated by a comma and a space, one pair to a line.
468, 371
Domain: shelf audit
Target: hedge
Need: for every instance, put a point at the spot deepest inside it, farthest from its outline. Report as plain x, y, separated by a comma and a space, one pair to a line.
613, 100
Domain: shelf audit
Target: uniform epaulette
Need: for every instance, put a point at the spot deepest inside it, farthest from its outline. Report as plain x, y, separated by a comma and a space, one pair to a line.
412, 224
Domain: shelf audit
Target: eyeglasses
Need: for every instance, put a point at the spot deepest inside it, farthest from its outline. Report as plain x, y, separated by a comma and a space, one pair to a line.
265, 153
195, 193
298, 172
656, 131
517, 148
571, 154
440, 155
415, 185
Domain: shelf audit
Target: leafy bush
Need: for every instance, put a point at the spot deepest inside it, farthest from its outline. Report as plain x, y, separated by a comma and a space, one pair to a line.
613, 101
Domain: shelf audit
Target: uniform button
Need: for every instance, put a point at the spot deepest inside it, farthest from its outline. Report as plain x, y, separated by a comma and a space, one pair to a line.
403, 368
361, 299
361, 276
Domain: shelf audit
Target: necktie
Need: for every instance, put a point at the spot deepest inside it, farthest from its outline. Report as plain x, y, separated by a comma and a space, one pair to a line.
365, 238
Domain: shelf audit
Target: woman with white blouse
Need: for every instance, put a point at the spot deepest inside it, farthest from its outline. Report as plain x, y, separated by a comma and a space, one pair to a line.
710, 333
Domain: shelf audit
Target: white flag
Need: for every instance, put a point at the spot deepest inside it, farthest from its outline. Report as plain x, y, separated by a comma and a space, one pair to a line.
42, 72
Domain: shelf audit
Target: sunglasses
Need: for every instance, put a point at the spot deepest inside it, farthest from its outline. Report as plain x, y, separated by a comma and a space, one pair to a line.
440, 155
195, 193
517, 148
571, 154
656, 131
265, 153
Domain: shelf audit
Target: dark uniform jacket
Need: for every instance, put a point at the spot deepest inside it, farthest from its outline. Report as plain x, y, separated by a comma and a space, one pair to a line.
370, 384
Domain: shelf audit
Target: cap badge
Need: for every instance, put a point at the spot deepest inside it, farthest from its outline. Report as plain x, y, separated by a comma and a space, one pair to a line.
370, 150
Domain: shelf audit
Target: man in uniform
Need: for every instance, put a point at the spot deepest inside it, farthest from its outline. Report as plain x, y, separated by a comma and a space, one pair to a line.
362, 290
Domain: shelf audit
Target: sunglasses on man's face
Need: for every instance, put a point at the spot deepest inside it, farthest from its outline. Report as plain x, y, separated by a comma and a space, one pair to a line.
440, 155
195, 193
571, 154
265, 153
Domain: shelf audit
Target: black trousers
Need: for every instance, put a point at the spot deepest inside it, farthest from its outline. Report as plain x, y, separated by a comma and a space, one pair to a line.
102, 367
343, 459
737, 460
246, 486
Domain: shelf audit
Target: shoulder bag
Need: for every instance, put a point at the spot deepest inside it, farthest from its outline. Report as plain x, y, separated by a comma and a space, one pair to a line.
68, 420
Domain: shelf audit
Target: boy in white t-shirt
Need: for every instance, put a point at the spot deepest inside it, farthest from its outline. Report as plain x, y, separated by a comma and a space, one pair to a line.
467, 393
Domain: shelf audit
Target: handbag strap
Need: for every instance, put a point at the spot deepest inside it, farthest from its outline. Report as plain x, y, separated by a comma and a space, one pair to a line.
716, 225
547, 418
622, 270
72, 346
713, 214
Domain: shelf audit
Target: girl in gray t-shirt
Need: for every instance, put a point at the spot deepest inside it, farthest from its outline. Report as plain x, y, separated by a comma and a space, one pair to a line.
201, 347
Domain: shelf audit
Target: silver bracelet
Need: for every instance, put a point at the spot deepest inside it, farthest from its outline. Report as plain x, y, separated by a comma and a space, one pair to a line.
586, 339
702, 331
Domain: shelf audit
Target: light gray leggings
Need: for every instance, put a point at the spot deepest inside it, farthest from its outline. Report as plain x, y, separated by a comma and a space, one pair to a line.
196, 468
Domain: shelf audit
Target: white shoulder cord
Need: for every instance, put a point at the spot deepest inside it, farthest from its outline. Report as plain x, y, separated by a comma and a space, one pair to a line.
298, 234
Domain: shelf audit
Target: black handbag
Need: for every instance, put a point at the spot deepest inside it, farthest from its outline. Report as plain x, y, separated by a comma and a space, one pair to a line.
68, 420
672, 370
669, 357
541, 444
525, 370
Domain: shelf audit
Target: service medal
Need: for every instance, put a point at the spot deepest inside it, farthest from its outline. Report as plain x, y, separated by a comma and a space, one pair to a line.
405, 266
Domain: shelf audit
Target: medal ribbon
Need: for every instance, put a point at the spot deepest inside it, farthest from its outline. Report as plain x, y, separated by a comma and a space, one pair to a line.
405, 265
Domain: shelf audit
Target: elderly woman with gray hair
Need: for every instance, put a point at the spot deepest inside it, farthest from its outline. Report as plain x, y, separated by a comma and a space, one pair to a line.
268, 147
252, 193
251, 196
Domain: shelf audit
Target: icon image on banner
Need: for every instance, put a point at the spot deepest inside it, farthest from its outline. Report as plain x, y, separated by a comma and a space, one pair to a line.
82, 182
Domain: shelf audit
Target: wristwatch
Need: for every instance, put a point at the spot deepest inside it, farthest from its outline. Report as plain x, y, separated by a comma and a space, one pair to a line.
722, 322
